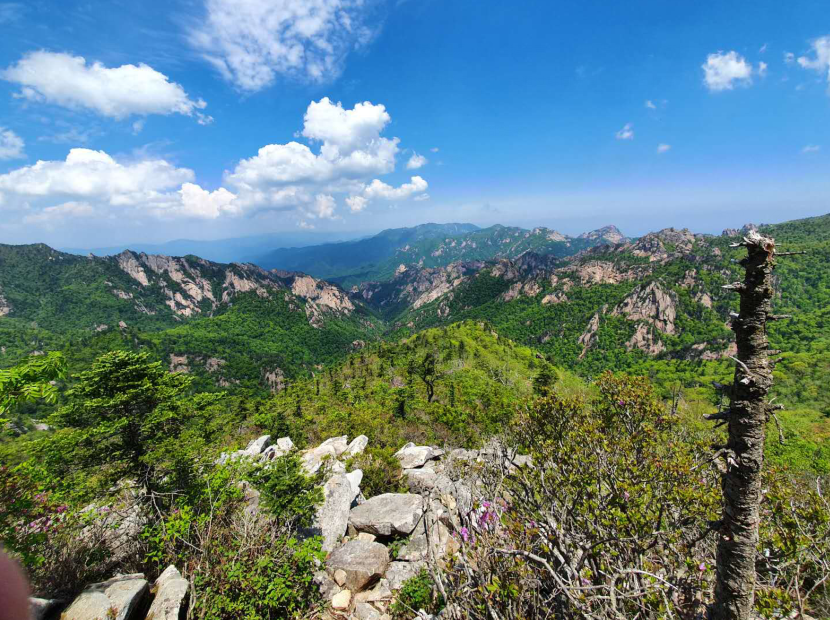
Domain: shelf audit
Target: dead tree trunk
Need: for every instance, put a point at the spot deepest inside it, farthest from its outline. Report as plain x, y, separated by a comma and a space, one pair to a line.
747, 417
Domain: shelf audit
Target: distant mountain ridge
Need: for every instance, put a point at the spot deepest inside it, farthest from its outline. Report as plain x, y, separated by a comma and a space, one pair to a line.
378, 258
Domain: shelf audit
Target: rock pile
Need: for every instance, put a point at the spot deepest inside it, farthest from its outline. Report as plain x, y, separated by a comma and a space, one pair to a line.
124, 597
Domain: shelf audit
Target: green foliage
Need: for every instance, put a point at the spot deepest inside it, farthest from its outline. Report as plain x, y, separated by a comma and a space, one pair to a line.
381, 471
417, 593
31, 380
287, 493
123, 420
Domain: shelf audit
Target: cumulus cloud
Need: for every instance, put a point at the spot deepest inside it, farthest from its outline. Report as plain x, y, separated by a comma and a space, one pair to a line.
251, 43
722, 71
650, 104
90, 181
351, 147
820, 60
762, 68
11, 145
346, 156
117, 92
416, 161
626, 133
663, 148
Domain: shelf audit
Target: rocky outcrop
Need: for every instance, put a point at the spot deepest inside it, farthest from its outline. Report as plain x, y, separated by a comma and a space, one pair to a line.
609, 234
645, 340
119, 598
650, 303
589, 335
5, 306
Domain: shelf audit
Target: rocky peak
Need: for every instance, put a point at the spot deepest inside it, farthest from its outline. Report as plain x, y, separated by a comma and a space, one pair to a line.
610, 233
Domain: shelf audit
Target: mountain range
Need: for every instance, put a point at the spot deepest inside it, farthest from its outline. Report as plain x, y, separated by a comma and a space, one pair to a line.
588, 303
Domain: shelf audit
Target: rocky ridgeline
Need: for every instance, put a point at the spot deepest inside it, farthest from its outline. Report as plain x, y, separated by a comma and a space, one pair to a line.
374, 545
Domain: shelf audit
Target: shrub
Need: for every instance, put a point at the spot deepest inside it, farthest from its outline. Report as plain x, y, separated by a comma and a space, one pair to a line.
417, 593
381, 471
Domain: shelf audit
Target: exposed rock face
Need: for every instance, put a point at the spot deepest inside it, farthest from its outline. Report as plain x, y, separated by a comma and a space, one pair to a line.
388, 514
645, 340
129, 264
274, 379
5, 306
588, 336
115, 599
171, 595
320, 294
611, 234
652, 304
178, 363
362, 562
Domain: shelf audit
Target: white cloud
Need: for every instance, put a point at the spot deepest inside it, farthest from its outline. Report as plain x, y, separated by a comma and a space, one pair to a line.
722, 71
356, 203
421, 197
138, 126
762, 68
650, 104
323, 207
90, 181
663, 148
762, 49
821, 60
811, 148
117, 92
416, 161
351, 148
626, 133
434, 149
251, 43
347, 152
11, 145
305, 225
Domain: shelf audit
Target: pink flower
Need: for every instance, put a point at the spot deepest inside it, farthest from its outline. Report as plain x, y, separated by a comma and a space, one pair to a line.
702, 567
465, 534
626, 495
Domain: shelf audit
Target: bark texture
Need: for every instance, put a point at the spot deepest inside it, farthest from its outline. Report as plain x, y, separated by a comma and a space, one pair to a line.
747, 417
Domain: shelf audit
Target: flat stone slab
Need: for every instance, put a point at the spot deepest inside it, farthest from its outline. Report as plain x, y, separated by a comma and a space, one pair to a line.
118, 598
388, 514
362, 561
332, 517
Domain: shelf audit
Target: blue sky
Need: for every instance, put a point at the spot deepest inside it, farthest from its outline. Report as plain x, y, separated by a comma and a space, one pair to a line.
125, 121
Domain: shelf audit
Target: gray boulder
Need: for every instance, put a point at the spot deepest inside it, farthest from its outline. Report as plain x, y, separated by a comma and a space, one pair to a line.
119, 598
363, 563
420, 480
422, 547
399, 572
412, 456
388, 514
283, 446
355, 478
357, 446
364, 611
313, 460
256, 446
340, 444
333, 515
171, 595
